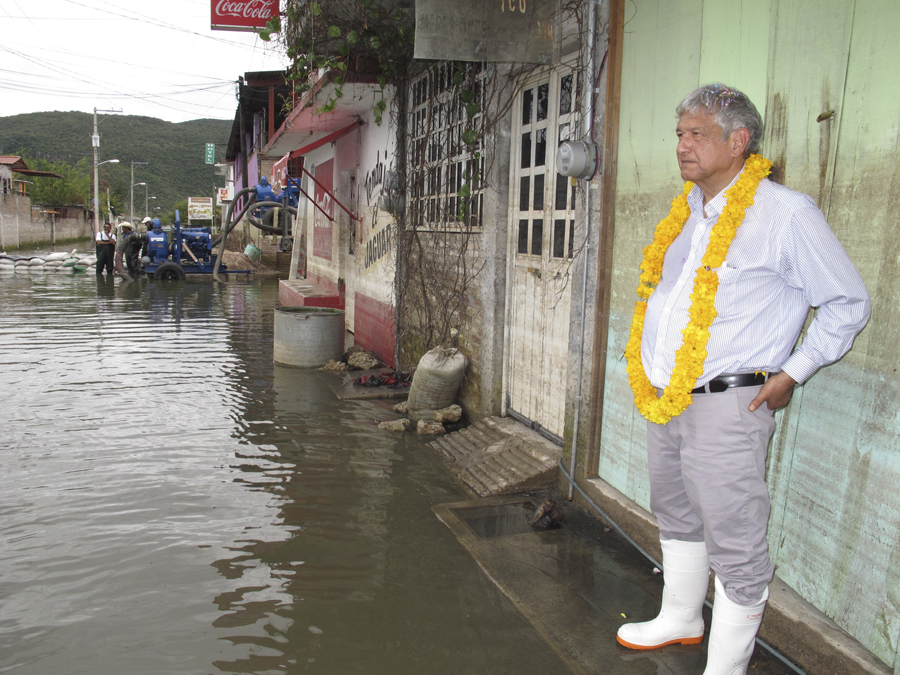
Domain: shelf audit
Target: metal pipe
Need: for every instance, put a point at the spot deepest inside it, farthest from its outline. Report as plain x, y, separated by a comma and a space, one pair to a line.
589, 127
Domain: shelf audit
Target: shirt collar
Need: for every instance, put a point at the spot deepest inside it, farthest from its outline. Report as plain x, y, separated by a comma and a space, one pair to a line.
715, 205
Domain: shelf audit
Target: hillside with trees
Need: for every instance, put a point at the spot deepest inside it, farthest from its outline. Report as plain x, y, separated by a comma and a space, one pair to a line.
174, 152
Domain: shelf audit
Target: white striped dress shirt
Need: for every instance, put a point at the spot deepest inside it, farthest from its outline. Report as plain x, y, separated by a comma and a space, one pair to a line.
783, 260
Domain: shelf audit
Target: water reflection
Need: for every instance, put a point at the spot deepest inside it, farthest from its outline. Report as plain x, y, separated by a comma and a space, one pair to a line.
172, 502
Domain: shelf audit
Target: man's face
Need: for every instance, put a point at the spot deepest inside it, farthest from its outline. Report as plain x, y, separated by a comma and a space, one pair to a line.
703, 156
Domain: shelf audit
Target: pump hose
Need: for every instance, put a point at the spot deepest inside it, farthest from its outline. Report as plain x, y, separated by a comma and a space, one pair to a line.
270, 229
230, 224
226, 230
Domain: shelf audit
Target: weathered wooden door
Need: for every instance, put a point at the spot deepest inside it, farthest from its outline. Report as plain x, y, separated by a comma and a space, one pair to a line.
541, 249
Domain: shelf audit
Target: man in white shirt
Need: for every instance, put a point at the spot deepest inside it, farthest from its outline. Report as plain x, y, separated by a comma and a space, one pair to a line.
106, 246
707, 461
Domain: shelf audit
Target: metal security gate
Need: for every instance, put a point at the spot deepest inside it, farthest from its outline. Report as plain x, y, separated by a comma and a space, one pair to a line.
541, 249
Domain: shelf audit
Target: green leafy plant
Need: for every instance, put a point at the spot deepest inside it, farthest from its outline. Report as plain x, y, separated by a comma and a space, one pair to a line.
346, 41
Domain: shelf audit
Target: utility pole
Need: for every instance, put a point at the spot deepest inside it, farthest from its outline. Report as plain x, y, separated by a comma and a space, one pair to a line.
131, 190
95, 142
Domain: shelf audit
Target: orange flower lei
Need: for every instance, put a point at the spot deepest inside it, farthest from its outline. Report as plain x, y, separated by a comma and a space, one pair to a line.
690, 356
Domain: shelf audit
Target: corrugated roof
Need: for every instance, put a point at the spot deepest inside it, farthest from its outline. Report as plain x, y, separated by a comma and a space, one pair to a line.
18, 165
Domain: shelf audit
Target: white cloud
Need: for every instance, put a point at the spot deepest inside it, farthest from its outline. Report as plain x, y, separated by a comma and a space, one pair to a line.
157, 58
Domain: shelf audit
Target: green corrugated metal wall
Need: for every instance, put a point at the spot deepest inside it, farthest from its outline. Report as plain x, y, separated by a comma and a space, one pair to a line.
834, 466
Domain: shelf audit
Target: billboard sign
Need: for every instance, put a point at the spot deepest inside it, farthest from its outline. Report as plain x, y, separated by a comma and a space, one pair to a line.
200, 208
223, 195
513, 31
241, 15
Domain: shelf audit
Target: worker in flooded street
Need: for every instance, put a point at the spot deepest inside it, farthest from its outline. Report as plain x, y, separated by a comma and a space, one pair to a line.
121, 245
106, 247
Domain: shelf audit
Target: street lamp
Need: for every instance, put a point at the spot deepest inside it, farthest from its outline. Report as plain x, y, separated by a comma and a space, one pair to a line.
146, 210
131, 213
134, 185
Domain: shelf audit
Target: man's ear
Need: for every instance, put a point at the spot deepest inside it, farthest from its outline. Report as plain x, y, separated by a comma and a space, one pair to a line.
739, 140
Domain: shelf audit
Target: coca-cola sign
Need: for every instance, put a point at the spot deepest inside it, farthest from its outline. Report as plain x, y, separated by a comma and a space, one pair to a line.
247, 15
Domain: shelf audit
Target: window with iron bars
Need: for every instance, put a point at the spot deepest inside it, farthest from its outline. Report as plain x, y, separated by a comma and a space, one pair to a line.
440, 163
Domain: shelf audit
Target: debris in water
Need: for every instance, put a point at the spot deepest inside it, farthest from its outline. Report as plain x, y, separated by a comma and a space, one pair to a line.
549, 515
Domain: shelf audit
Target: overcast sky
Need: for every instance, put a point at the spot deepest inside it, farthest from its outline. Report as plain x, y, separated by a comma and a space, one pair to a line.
157, 58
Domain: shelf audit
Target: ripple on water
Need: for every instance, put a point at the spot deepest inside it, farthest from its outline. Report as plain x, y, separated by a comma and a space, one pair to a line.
172, 502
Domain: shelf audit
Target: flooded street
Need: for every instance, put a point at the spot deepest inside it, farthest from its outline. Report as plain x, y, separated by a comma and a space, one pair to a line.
173, 502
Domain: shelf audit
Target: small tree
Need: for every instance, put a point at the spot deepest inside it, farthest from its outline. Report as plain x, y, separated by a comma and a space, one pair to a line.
73, 188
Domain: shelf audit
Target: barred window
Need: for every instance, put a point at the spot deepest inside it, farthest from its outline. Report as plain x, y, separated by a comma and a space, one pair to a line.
445, 178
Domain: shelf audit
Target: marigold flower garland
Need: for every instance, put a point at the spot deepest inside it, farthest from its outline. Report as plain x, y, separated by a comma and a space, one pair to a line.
690, 356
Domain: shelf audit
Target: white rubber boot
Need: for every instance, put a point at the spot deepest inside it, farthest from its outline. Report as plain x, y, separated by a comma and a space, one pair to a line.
733, 634
680, 619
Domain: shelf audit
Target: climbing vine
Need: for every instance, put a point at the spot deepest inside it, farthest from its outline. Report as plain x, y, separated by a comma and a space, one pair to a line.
357, 40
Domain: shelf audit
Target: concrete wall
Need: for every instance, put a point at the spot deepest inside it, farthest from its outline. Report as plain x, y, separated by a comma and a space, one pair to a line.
22, 226
833, 465
355, 257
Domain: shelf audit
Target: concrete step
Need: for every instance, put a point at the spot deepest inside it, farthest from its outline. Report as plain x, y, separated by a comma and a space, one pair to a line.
498, 455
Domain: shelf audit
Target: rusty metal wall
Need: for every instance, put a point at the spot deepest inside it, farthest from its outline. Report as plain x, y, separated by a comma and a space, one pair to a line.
827, 81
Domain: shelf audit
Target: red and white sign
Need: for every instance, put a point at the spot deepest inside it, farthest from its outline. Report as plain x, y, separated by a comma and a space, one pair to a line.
322, 231
279, 173
246, 15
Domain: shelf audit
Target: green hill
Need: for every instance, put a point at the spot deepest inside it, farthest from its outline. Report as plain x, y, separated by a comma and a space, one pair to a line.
175, 153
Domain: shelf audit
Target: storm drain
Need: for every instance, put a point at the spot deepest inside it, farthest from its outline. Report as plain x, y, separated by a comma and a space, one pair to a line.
498, 455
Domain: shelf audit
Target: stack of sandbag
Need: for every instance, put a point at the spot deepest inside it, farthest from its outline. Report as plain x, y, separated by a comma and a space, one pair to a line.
436, 382
53, 262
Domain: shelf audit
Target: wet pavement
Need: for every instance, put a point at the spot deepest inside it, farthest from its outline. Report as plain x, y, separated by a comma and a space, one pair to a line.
577, 584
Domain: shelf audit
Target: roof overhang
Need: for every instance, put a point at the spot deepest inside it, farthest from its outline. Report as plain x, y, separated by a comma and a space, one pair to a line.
254, 96
31, 172
306, 125
17, 165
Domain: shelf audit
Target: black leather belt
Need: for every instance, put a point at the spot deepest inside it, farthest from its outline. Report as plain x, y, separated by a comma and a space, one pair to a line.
724, 382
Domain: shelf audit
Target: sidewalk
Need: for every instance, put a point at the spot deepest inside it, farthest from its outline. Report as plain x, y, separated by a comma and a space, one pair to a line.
577, 585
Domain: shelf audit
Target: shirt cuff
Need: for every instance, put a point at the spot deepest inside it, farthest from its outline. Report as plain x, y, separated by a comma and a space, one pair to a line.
799, 367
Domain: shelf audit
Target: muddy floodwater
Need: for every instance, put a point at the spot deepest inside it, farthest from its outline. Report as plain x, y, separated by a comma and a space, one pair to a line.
173, 502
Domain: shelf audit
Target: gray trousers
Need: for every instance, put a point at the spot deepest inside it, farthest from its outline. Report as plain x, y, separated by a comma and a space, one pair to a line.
708, 483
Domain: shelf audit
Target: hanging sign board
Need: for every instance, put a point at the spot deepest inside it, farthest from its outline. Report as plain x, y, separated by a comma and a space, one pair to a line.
200, 208
508, 31
242, 15
223, 195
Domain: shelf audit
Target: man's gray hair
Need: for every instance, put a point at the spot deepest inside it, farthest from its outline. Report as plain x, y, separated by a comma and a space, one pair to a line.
732, 110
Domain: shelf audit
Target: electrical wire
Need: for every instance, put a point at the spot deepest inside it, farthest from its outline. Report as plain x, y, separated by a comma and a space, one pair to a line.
65, 65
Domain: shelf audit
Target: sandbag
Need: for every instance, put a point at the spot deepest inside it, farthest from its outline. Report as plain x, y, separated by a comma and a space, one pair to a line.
436, 381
